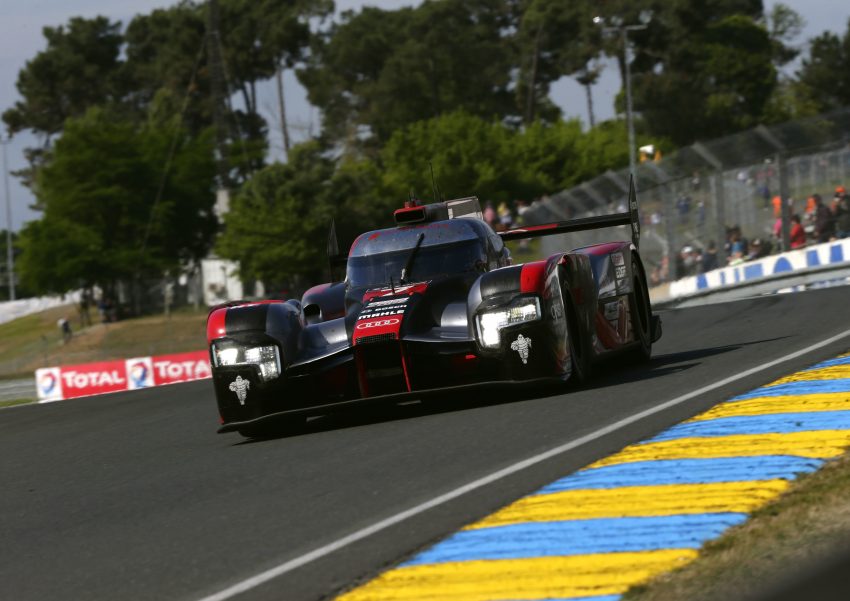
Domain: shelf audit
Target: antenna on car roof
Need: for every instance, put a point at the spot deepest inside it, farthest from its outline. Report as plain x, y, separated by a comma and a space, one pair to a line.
434, 183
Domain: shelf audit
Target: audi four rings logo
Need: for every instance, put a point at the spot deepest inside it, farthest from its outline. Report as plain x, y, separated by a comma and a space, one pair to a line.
377, 324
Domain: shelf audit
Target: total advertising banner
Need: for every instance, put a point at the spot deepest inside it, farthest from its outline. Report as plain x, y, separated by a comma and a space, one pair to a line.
72, 381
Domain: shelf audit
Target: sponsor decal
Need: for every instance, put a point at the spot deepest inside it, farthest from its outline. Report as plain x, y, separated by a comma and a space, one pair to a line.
139, 373
240, 387
49, 384
382, 323
522, 345
612, 311
406, 290
57, 383
182, 367
620, 272
617, 259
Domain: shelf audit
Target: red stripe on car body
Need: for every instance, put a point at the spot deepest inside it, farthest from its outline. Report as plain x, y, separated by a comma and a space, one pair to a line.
531, 277
215, 324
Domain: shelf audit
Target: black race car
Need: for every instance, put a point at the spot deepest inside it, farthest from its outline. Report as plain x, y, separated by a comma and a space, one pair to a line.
429, 305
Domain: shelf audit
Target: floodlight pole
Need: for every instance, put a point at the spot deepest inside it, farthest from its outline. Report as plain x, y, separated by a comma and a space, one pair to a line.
10, 258
624, 30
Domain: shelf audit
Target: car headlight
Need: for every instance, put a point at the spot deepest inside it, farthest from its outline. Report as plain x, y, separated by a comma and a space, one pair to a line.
267, 358
491, 322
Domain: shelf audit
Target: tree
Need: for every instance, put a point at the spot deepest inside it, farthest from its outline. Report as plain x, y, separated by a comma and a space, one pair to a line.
79, 69
473, 156
104, 217
825, 73
715, 82
377, 70
278, 222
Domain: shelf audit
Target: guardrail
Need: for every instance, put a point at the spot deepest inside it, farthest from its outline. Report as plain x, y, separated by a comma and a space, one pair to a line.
805, 266
72, 381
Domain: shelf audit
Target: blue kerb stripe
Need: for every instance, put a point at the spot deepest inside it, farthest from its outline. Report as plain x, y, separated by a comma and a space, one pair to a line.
830, 363
779, 423
797, 388
580, 537
686, 471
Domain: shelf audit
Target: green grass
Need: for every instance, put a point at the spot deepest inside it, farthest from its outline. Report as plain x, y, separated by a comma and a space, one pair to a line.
14, 402
35, 341
795, 532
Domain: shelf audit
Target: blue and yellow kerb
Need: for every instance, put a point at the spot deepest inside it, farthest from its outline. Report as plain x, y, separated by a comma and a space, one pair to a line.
646, 510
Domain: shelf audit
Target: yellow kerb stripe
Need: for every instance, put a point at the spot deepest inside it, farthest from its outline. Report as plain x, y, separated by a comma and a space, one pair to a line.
833, 401
819, 444
537, 578
635, 501
835, 372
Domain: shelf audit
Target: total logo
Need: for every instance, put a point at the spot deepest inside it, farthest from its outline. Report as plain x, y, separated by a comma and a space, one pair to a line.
49, 384
383, 323
139, 373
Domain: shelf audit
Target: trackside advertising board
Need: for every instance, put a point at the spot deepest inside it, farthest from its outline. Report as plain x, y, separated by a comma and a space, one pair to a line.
72, 381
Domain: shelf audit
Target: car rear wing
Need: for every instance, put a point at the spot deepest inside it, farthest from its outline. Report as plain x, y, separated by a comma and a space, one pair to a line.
630, 218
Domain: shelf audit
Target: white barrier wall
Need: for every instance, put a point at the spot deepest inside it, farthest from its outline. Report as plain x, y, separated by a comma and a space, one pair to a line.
828, 253
10, 310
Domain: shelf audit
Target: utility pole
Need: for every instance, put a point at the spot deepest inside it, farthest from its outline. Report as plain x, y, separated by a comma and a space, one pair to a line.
10, 258
284, 129
623, 30
217, 90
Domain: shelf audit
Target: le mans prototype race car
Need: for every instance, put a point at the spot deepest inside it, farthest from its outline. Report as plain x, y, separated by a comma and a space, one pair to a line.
429, 305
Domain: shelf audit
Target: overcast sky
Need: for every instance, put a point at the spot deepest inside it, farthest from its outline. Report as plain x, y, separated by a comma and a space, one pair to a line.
21, 22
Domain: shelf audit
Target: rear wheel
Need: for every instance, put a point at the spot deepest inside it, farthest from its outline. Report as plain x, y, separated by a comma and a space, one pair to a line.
641, 317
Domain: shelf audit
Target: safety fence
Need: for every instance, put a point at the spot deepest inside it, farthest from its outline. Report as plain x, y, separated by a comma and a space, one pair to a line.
71, 381
716, 193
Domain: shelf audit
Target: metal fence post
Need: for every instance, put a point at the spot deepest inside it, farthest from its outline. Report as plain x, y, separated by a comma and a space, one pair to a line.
718, 186
670, 233
784, 195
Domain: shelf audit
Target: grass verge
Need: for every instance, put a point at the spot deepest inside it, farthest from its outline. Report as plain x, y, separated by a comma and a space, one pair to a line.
14, 402
803, 527
34, 341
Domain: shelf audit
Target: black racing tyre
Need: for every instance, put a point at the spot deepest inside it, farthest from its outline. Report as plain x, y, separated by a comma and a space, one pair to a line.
641, 315
579, 345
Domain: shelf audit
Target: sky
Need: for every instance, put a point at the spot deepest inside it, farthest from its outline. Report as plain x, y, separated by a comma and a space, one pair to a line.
21, 23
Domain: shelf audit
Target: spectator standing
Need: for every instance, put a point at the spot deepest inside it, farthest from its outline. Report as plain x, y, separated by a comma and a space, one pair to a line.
65, 327
798, 234
842, 220
824, 221
709, 258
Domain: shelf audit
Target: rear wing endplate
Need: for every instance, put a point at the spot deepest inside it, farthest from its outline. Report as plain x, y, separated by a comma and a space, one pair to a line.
630, 218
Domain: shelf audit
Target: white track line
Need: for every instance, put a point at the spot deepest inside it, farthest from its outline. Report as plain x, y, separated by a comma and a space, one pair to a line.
323, 551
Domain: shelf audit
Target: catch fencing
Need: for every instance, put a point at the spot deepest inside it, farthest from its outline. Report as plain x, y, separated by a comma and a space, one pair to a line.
696, 195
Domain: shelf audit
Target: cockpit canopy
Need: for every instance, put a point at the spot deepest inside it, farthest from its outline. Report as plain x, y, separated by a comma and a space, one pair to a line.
450, 247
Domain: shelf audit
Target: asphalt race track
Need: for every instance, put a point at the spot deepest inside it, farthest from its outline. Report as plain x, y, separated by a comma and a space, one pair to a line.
134, 495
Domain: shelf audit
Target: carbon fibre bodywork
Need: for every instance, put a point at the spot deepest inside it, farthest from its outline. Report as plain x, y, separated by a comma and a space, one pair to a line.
373, 337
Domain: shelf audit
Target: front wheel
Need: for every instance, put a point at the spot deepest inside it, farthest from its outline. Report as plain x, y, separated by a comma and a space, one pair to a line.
578, 345
641, 316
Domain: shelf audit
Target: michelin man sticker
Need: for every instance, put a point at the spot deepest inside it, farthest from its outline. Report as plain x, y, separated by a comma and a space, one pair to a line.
240, 387
522, 345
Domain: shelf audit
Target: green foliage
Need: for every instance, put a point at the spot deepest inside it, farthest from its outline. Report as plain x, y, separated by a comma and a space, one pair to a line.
716, 82
378, 71
278, 222
98, 189
825, 73
471, 155
79, 68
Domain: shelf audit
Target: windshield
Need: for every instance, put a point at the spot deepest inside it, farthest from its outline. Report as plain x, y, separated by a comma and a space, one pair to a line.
374, 271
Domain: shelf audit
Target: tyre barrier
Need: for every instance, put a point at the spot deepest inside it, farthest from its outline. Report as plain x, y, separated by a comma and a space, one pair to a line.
643, 511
